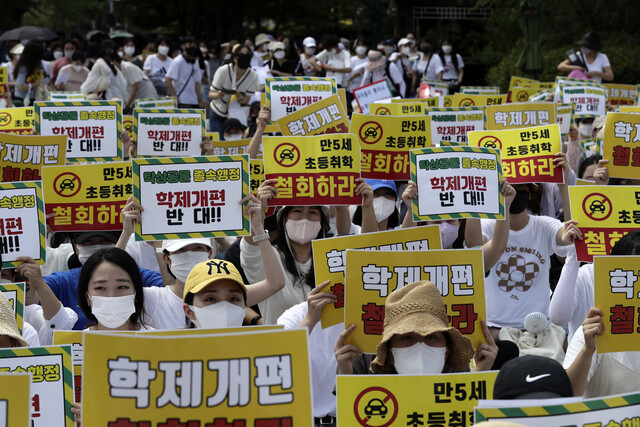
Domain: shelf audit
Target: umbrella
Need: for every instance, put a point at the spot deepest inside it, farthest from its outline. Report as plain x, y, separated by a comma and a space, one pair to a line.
29, 32
121, 34
531, 24
95, 33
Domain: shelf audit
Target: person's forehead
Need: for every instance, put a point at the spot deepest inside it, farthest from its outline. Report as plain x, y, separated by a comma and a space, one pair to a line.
221, 285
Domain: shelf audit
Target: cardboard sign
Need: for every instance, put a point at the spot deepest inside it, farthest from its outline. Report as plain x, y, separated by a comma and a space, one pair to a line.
51, 382
87, 197
620, 94
520, 115
168, 102
286, 95
565, 117
415, 108
372, 275
191, 196
23, 156
527, 154
329, 258
127, 124
590, 100
246, 379
74, 340
521, 94
616, 295
629, 109
168, 132
457, 182
368, 94
22, 228
321, 117
19, 120
313, 170
621, 145
15, 294
257, 174
464, 100
604, 214
385, 142
480, 90
15, 400
92, 127
67, 96
384, 400
452, 124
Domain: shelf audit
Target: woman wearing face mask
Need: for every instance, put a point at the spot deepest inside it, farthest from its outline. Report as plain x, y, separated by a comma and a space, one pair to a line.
385, 196
129, 50
428, 67
236, 78
358, 65
334, 60
279, 65
453, 64
138, 84
29, 73
595, 64
157, 65
56, 52
104, 79
416, 339
71, 77
305, 67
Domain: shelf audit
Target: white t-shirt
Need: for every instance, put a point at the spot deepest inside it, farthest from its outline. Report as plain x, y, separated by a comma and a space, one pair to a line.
57, 259
395, 76
30, 335
450, 72
133, 75
358, 65
163, 308
226, 79
258, 59
598, 64
519, 282
157, 67
143, 253
435, 67
583, 298
182, 73
341, 59
117, 84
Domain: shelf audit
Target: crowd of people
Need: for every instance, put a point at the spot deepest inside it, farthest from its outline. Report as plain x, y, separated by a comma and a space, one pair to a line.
108, 281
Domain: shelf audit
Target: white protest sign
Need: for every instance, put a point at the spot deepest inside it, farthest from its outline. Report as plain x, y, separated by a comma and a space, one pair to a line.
170, 132
373, 92
452, 124
590, 100
286, 95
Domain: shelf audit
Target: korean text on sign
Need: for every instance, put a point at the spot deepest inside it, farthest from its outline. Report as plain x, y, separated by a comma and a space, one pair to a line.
564, 117
18, 121
23, 156
605, 214
520, 115
169, 132
313, 170
453, 124
620, 94
372, 275
465, 100
329, 258
385, 142
321, 117
457, 182
527, 154
286, 95
622, 145
368, 94
590, 100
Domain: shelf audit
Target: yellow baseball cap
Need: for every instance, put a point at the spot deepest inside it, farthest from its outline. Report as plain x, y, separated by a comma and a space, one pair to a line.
210, 271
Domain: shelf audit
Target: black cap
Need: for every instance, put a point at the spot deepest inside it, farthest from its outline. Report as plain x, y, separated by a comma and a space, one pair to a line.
532, 377
233, 124
113, 236
591, 41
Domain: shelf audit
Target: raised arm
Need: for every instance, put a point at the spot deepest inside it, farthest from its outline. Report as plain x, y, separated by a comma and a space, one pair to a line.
409, 193
31, 270
261, 124
494, 248
578, 372
563, 296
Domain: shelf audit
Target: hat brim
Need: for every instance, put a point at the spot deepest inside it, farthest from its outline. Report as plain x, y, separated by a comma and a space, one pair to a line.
200, 286
12, 334
588, 44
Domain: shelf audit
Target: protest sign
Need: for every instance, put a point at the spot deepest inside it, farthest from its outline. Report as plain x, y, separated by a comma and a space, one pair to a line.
385, 400
87, 197
15, 294
521, 82
605, 214
156, 103
385, 142
447, 101
257, 174
457, 182
230, 148
621, 94
621, 145
321, 117
589, 147
370, 93
542, 96
127, 124
618, 297
253, 379
313, 170
527, 154
431, 88
520, 115
67, 96
17, 120
74, 340
15, 400
585, 182
608, 412
521, 94
92, 127
413, 108
329, 258
452, 124
590, 100
372, 275
191, 196
565, 117
427, 102
464, 100
23, 156
4, 75
480, 90
51, 382
22, 227
168, 132
286, 95
629, 109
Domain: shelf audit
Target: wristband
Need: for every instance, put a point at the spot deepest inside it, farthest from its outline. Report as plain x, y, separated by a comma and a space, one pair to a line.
261, 237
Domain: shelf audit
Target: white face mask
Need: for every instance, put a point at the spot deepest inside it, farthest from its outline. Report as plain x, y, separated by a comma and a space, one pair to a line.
585, 50
69, 53
406, 51
57, 54
183, 263
77, 68
113, 312
309, 50
302, 231
120, 53
222, 314
163, 50
380, 47
585, 129
129, 50
448, 234
383, 208
447, 49
419, 359
233, 137
279, 54
84, 252
204, 50
361, 50
16, 56
388, 50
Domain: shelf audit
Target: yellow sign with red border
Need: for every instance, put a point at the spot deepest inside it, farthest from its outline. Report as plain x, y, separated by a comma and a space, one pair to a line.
622, 145
325, 116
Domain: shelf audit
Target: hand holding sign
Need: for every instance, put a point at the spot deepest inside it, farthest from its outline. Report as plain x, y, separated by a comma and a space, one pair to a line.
345, 353
486, 353
316, 300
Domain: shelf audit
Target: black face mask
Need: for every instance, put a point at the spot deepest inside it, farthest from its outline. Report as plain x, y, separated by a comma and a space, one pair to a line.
520, 202
425, 49
190, 60
244, 61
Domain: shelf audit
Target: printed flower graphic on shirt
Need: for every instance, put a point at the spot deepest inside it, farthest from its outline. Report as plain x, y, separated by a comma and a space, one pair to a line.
516, 273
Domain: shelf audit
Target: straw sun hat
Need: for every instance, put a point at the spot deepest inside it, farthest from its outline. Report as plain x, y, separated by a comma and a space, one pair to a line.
8, 324
418, 307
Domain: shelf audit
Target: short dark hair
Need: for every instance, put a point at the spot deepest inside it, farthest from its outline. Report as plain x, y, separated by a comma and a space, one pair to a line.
629, 244
592, 160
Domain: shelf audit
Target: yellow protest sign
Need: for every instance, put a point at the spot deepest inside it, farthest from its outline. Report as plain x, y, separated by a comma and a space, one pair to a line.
313, 170
4, 76
521, 94
325, 116
564, 117
230, 148
447, 101
73, 339
329, 258
385, 400
520, 115
585, 182
15, 294
386, 140
414, 108
87, 197
621, 94
605, 214
18, 120
372, 275
23, 156
15, 400
480, 90
521, 82
464, 100
629, 109
616, 295
257, 174
217, 378
127, 124
451, 125
198, 331
430, 102
527, 154
621, 148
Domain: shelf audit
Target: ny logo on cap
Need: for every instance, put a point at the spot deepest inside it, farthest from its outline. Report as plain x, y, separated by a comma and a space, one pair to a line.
219, 265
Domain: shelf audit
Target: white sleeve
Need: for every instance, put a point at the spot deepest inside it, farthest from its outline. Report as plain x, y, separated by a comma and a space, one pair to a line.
396, 75
605, 61
574, 348
322, 56
347, 59
251, 262
147, 62
562, 301
460, 61
93, 79
63, 320
173, 70
487, 228
291, 318
438, 63
30, 335
143, 253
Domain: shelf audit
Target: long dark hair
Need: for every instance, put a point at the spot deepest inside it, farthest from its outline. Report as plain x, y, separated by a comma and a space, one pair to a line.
31, 59
109, 55
454, 53
629, 244
121, 259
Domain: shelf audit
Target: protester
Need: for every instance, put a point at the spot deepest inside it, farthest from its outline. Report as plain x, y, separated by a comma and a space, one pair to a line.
280, 65
28, 74
129, 49
183, 79
105, 81
593, 64
72, 76
334, 60
70, 47
428, 67
379, 68
309, 50
532, 377
9, 333
453, 64
156, 67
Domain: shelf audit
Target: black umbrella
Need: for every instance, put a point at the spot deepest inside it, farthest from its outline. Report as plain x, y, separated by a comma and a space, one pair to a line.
28, 32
